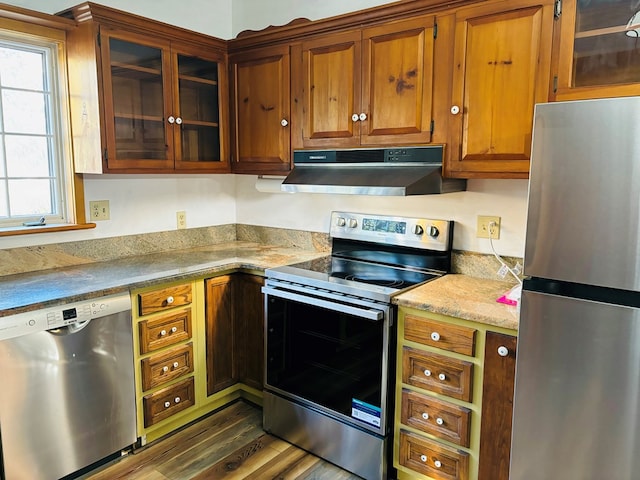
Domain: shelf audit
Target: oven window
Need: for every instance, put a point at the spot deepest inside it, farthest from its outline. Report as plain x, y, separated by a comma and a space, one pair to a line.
327, 357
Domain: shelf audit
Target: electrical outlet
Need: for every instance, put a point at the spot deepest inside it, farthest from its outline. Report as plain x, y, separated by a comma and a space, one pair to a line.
483, 227
181, 219
99, 210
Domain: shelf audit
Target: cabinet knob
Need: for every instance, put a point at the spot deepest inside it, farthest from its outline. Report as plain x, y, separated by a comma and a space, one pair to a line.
167, 404
425, 415
427, 373
179, 121
165, 369
423, 458
176, 364
439, 421
503, 351
455, 109
171, 119
177, 399
355, 117
174, 329
437, 464
163, 333
170, 300
435, 336
362, 117
284, 122
442, 377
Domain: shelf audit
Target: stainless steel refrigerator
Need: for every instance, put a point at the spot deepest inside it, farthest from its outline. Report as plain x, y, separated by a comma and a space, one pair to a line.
577, 390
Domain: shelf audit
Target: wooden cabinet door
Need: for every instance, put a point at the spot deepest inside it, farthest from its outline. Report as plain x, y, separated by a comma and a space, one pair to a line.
261, 111
137, 102
331, 91
597, 50
249, 329
219, 333
497, 406
502, 62
397, 64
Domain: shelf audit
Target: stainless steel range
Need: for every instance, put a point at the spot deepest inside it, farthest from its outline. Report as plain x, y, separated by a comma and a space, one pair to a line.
330, 336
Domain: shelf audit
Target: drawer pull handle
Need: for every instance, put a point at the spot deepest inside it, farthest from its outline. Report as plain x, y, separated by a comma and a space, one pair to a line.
435, 336
174, 329
439, 421
427, 373
503, 351
167, 404
176, 364
442, 377
165, 369
438, 464
177, 399
163, 332
170, 300
425, 415
423, 458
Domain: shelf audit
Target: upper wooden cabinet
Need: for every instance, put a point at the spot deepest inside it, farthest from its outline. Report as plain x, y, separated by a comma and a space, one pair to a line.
501, 69
597, 49
261, 113
370, 86
153, 101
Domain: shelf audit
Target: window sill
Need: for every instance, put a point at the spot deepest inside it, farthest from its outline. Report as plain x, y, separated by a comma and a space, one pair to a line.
20, 230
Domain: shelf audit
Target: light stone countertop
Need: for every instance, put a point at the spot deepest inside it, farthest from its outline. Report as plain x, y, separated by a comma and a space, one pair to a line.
465, 297
30, 291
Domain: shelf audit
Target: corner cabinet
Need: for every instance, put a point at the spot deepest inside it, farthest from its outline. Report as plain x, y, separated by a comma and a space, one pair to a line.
501, 69
369, 86
261, 111
146, 97
598, 49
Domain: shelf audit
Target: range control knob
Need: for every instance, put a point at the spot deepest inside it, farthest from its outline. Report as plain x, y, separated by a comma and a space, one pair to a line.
341, 222
353, 223
433, 231
418, 230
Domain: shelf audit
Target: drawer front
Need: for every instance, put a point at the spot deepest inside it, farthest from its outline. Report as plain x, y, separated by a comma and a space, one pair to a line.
448, 376
164, 367
441, 419
168, 401
432, 459
166, 330
164, 299
452, 338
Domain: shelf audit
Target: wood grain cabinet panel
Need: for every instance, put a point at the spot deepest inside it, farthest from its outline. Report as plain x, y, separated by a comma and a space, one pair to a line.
453, 338
442, 419
164, 299
163, 368
165, 330
220, 332
437, 373
432, 459
168, 401
249, 325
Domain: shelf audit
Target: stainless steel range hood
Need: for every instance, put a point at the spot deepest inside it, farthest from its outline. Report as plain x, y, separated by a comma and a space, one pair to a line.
371, 171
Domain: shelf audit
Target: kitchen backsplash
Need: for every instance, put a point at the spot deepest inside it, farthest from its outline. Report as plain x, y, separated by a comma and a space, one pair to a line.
42, 257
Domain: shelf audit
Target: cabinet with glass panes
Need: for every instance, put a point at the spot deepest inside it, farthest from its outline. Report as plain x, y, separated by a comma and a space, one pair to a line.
162, 93
598, 49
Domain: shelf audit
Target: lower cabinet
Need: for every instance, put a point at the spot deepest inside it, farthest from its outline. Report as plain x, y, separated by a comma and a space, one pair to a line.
453, 398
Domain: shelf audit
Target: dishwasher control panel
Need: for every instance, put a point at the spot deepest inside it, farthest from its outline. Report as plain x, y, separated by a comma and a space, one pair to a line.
62, 315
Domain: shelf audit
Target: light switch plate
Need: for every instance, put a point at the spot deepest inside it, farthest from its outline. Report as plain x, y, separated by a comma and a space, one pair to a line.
99, 210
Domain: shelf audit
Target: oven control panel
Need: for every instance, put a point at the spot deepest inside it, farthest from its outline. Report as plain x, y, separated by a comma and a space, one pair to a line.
413, 232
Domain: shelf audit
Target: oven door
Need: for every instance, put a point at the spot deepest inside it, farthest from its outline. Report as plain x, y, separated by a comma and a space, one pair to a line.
330, 355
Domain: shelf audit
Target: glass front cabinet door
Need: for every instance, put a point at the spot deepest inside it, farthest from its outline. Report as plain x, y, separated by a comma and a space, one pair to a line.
162, 106
599, 49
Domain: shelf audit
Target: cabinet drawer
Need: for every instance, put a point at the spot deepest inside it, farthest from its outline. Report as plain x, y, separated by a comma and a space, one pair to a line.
453, 338
448, 376
432, 459
164, 299
163, 331
164, 367
168, 401
441, 419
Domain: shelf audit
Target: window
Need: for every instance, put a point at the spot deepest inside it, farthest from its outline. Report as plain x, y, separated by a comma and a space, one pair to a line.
36, 177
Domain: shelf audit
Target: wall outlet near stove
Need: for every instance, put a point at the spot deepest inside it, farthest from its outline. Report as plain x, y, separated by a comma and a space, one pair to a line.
99, 210
181, 219
488, 227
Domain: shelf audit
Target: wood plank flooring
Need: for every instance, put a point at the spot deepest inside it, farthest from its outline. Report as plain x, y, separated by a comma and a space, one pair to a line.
228, 445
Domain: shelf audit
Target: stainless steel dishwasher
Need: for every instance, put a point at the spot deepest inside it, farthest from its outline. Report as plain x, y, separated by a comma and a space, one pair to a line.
67, 396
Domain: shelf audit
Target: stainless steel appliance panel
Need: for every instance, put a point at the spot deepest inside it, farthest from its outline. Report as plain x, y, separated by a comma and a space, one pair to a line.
577, 395
67, 397
355, 450
584, 194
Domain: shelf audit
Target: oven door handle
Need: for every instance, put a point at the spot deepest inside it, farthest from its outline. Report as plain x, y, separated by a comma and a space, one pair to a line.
369, 314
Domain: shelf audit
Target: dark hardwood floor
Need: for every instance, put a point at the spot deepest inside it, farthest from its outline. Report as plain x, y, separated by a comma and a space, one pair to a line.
230, 444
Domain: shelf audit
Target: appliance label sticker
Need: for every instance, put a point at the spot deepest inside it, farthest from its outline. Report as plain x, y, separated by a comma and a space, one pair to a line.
365, 412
